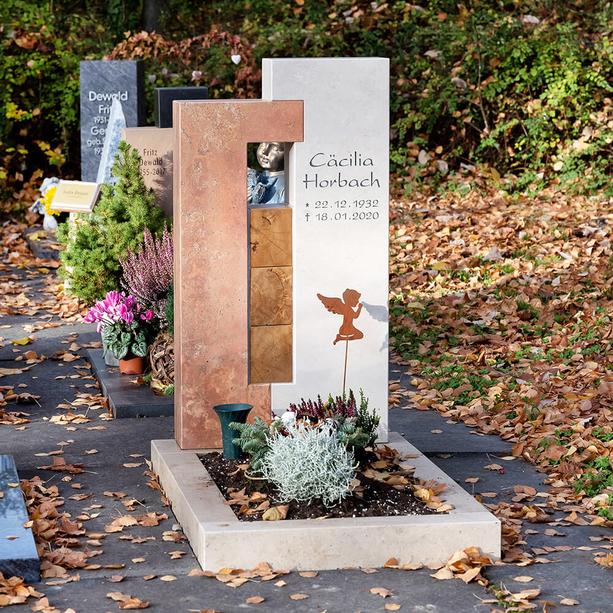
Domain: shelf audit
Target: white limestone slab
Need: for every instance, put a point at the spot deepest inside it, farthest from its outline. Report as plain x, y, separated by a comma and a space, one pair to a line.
220, 540
338, 187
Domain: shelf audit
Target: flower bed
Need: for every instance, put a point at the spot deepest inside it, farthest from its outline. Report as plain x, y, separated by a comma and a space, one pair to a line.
382, 487
317, 460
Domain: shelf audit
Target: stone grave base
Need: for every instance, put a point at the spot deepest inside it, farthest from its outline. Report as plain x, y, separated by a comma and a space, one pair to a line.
220, 540
127, 399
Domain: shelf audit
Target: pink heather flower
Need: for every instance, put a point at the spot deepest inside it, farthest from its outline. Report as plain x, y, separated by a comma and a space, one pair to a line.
147, 273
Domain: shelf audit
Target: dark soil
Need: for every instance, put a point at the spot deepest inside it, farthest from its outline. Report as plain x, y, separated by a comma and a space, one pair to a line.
375, 499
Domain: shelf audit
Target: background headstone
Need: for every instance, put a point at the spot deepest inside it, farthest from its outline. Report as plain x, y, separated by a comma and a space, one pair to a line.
338, 187
155, 147
101, 81
164, 97
114, 129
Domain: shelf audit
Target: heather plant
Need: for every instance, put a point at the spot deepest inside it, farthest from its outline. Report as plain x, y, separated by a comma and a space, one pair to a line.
147, 273
343, 406
309, 463
356, 424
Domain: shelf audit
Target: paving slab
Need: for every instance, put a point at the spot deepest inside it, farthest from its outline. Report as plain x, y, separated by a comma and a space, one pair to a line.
42, 244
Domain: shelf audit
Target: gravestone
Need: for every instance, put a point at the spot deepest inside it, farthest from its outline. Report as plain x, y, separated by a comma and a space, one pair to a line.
274, 304
165, 96
210, 231
101, 81
18, 555
155, 148
296, 301
338, 185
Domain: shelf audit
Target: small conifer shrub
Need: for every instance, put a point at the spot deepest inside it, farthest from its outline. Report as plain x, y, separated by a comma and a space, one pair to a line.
97, 241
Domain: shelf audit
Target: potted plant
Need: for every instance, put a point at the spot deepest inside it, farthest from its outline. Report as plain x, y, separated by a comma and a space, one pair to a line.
125, 328
148, 275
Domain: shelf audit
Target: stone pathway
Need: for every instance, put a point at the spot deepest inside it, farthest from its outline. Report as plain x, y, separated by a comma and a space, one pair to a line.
462, 454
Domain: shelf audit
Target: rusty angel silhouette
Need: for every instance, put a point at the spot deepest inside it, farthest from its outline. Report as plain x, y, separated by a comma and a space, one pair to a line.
350, 307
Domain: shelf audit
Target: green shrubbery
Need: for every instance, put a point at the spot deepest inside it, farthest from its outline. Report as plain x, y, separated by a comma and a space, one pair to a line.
40, 51
96, 242
521, 88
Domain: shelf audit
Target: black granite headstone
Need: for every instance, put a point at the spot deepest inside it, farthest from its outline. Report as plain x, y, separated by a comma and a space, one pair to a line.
18, 555
102, 81
164, 97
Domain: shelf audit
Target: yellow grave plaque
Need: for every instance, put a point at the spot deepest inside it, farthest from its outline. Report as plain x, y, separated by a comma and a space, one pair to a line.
75, 196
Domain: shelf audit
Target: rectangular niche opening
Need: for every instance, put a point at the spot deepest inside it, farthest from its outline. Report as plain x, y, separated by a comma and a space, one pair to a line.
270, 268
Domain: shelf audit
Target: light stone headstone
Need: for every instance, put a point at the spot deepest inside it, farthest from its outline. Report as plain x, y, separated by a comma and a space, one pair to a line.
101, 81
155, 148
338, 187
115, 127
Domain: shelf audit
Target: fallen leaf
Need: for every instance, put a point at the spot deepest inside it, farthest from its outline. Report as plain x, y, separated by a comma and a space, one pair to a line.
525, 595
26, 340
523, 579
381, 591
443, 573
275, 513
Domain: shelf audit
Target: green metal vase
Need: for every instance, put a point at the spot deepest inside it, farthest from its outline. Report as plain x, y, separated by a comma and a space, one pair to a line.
228, 413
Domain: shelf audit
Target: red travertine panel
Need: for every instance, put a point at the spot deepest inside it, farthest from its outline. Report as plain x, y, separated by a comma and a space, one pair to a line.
211, 258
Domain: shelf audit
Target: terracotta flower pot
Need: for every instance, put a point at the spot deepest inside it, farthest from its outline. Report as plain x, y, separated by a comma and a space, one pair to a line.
132, 366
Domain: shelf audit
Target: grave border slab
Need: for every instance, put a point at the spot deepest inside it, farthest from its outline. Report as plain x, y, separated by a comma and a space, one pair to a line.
220, 540
18, 553
127, 399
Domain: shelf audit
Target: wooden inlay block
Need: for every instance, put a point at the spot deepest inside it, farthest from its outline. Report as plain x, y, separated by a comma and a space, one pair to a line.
271, 354
271, 296
271, 237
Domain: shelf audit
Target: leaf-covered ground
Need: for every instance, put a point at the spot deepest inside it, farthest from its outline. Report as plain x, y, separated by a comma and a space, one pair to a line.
503, 311
100, 519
